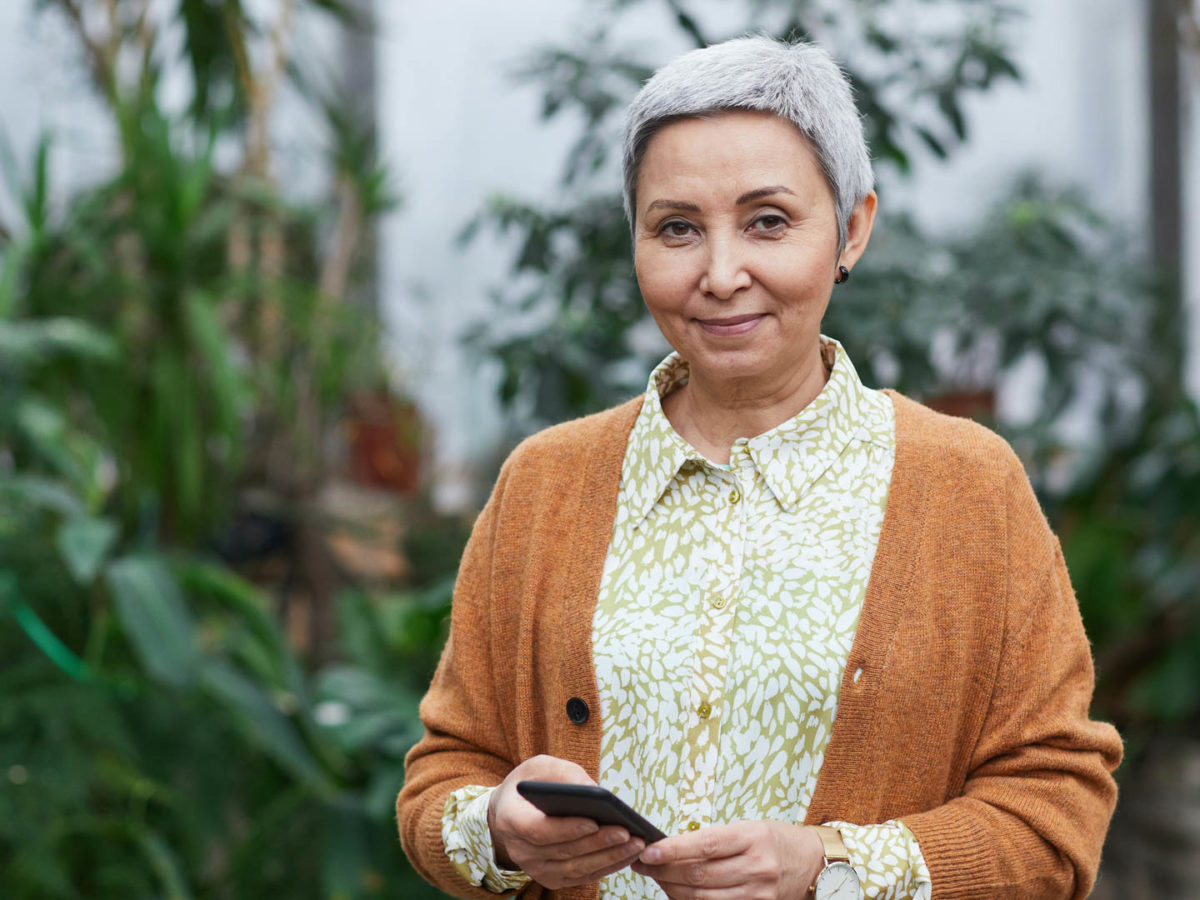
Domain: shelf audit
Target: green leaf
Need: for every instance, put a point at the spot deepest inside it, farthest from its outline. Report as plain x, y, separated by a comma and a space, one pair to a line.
947, 100
10, 270
155, 617
254, 620
228, 391
265, 723
38, 632
31, 341
165, 864
933, 142
83, 543
37, 199
41, 493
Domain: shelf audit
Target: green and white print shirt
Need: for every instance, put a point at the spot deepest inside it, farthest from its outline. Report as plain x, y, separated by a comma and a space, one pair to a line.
728, 604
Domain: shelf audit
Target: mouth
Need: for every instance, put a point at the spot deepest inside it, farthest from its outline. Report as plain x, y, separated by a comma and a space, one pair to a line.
731, 325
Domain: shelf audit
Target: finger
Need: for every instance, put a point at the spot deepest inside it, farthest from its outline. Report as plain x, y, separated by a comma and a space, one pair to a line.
618, 866
592, 866
609, 837
715, 842
535, 827
698, 873
552, 768
606, 837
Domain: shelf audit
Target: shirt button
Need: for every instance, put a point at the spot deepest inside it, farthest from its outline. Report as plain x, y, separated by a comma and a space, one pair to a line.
719, 602
734, 496
693, 826
704, 710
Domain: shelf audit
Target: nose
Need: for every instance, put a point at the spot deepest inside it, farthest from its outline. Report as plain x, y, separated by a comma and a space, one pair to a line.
725, 270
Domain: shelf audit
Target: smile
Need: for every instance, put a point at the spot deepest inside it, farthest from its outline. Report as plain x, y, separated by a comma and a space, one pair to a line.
734, 325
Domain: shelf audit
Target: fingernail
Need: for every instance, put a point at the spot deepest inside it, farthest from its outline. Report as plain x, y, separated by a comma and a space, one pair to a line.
652, 855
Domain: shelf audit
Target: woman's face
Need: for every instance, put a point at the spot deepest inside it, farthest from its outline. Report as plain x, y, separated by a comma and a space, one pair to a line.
736, 244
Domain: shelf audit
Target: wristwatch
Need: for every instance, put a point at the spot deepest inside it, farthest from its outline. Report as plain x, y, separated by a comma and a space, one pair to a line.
838, 880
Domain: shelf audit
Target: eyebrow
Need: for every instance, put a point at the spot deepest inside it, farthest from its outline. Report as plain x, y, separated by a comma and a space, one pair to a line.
758, 194
748, 197
672, 204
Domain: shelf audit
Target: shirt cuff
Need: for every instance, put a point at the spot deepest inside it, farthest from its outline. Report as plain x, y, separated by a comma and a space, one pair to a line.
888, 861
468, 841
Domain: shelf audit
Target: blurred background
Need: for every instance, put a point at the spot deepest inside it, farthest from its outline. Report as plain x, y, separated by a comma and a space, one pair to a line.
281, 281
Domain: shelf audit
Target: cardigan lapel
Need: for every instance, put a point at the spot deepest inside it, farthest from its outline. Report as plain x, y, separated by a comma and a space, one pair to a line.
587, 521
897, 560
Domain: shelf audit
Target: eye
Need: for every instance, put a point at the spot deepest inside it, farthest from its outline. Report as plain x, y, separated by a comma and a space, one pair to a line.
769, 222
675, 228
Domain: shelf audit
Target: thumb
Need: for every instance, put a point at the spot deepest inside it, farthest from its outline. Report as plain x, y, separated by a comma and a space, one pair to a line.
551, 768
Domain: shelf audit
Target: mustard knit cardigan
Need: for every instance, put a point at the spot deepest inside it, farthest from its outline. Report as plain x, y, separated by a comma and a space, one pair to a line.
969, 720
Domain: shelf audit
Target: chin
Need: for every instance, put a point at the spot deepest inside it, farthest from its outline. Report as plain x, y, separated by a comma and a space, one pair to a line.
730, 365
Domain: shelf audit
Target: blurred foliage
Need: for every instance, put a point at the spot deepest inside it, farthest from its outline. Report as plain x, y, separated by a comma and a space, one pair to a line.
1040, 291
434, 549
176, 337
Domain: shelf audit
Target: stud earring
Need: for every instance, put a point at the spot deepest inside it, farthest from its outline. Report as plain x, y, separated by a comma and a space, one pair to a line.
843, 275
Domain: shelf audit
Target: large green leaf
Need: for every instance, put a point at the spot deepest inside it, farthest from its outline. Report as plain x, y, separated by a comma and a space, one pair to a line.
10, 268
45, 428
29, 341
37, 630
155, 617
84, 542
253, 641
228, 390
264, 722
165, 864
251, 610
41, 493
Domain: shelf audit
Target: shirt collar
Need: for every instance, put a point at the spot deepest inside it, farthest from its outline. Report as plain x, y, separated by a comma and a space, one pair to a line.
656, 450
789, 457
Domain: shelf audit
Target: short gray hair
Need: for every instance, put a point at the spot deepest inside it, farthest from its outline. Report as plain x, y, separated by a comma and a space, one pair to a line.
799, 82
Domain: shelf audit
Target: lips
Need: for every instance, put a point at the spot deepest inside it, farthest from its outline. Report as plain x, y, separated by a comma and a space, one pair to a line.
731, 325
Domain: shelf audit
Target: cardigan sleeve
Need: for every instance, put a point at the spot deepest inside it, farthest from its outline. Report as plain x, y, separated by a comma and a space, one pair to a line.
465, 736
1039, 793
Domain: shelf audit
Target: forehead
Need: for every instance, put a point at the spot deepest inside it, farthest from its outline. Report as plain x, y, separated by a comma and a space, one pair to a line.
728, 153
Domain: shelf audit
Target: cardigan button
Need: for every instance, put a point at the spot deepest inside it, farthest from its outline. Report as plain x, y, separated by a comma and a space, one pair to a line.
577, 711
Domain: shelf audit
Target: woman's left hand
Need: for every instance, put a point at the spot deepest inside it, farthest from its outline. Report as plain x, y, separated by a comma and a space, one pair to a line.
741, 861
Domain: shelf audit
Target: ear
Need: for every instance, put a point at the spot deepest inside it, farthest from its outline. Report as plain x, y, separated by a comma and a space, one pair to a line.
858, 230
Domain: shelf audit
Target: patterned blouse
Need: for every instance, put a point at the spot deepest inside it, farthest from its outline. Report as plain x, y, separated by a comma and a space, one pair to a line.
728, 604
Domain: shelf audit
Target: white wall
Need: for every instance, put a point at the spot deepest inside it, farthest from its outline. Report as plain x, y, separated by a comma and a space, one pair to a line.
1078, 116
43, 87
457, 131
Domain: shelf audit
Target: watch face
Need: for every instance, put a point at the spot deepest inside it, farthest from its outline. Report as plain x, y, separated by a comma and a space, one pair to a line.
838, 881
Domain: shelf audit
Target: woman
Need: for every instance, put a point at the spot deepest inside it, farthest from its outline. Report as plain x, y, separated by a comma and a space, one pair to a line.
763, 598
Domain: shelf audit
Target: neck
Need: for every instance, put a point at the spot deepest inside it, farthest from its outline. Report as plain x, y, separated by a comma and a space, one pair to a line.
711, 413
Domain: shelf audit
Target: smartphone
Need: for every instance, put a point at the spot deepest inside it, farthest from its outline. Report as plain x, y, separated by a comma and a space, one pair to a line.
589, 802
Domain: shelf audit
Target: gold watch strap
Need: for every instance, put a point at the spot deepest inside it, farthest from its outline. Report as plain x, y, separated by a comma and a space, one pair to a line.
831, 840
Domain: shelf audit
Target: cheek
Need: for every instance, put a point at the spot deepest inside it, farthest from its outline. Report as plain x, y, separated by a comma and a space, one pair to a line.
664, 283
799, 286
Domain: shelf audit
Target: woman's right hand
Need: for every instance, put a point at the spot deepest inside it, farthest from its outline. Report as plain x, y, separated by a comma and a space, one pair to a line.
555, 851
